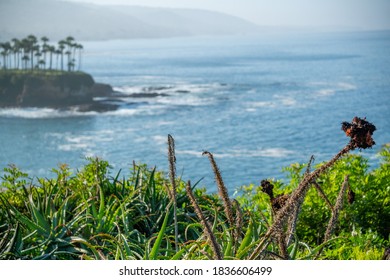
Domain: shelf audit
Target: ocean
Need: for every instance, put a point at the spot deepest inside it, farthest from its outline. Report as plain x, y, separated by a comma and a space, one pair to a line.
258, 103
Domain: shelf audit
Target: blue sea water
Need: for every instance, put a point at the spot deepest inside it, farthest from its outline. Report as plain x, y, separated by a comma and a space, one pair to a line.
258, 103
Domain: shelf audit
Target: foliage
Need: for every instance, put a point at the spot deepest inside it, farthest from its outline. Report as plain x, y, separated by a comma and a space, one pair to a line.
29, 54
91, 214
370, 209
356, 246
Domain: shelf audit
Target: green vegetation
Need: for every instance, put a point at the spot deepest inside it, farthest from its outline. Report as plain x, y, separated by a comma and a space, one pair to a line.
29, 54
16, 79
340, 210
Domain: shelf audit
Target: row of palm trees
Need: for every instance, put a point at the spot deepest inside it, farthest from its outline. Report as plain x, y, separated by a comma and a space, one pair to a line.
33, 54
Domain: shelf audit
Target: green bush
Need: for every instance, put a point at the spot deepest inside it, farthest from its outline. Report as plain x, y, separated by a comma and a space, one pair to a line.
370, 210
93, 215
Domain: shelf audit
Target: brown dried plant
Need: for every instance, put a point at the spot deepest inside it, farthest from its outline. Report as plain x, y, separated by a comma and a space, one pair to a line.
323, 195
276, 204
206, 226
239, 220
336, 210
292, 221
222, 190
360, 132
173, 192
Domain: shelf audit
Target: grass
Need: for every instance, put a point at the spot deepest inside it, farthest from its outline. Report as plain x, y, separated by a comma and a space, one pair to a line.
150, 215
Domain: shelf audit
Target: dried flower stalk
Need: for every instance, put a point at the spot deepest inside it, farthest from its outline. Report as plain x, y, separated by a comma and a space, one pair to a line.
292, 221
206, 226
323, 195
222, 190
238, 220
281, 239
295, 197
173, 192
336, 210
360, 132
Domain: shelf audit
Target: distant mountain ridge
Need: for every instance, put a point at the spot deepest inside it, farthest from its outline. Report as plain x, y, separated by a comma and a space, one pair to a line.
56, 19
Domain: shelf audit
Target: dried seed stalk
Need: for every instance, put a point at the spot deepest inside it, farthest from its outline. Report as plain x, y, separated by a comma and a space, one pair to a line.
292, 221
295, 197
323, 195
238, 221
173, 192
281, 238
223, 193
206, 226
336, 211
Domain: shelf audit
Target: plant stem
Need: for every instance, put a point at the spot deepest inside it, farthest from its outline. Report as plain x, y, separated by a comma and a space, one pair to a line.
207, 228
295, 196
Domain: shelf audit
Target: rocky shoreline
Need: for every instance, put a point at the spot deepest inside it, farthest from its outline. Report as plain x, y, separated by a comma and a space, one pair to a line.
76, 90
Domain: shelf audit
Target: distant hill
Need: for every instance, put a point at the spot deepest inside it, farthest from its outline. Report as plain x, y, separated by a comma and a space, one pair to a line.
56, 19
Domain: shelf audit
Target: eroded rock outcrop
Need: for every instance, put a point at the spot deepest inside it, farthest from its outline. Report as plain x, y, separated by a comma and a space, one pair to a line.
52, 89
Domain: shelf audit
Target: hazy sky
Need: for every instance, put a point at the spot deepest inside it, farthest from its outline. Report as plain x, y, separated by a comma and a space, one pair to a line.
365, 14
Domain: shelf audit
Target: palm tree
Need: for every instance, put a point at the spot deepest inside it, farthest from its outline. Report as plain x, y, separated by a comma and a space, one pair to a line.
58, 53
32, 40
25, 60
45, 47
44, 39
52, 50
69, 40
22, 53
38, 54
61, 47
69, 43
80, 49
25, 45
71, 65
7, 48
16, 49
68, 54
41, 62
4, 54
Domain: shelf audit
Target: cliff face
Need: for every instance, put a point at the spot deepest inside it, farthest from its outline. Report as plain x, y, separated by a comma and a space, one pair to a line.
57, 90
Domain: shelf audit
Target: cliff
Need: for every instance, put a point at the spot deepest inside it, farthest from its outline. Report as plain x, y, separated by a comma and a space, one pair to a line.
53, 89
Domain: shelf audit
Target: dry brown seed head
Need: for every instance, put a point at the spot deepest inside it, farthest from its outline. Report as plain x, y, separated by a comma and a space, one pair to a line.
360, 131
267, 187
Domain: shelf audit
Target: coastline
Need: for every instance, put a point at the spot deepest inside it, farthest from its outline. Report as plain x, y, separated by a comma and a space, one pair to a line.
53, 89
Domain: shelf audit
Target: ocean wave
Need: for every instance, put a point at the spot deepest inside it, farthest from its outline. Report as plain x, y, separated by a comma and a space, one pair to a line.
287, 101
276, 102
72, 147
87, 143
346, 86
49, 113
41, 113
160, 139
132, 100
325, 92
170, 95
267, 152
149, 109
178, 88
329, 89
